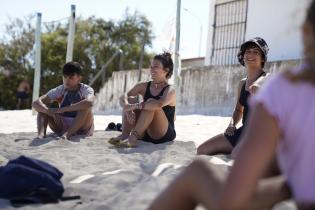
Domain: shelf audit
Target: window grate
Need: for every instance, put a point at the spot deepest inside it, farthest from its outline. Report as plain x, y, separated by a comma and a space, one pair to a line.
229, 31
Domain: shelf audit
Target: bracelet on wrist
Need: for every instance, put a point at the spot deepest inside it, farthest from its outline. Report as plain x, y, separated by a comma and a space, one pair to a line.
140, 105
136, 106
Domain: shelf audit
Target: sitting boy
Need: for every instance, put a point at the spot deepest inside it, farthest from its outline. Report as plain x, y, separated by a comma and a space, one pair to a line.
74, 115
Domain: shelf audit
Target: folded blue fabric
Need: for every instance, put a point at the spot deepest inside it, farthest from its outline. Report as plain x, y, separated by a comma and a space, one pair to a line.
37, 165
29, 179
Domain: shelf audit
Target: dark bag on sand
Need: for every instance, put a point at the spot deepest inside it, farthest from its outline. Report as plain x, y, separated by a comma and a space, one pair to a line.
27, 180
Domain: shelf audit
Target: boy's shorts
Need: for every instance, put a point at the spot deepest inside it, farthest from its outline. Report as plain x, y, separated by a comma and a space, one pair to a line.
68, 121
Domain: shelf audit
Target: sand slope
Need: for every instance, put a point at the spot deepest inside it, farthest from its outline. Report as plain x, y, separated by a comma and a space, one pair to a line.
119, 178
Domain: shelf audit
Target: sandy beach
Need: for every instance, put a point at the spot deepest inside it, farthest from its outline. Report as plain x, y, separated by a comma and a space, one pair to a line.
106, 177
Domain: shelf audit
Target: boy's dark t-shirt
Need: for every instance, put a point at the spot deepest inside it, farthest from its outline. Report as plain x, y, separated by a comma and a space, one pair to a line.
65, 97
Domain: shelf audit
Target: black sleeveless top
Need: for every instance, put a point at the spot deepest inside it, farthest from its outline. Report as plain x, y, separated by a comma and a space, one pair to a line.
168, 110
243, 100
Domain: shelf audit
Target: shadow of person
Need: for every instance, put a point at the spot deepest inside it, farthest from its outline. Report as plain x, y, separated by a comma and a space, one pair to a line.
22, 139
143, 147
51, 137
77, 138
40, 141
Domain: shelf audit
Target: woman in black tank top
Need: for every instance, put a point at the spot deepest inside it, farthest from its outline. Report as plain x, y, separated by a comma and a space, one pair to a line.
252, 55
153, 119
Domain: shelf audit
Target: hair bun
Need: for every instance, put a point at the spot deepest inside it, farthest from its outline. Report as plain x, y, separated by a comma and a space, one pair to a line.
167, 55
166, 59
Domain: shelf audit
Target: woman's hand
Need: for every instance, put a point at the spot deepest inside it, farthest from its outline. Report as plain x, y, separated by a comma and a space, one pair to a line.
254, 88
123, 100
230, 130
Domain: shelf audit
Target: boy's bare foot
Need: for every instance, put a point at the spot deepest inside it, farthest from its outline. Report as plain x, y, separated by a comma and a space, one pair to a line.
66, 136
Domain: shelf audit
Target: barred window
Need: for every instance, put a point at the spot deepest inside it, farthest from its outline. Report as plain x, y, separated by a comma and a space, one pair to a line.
229, 31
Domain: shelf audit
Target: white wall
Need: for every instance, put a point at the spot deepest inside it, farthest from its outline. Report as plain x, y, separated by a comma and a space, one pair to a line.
278, 22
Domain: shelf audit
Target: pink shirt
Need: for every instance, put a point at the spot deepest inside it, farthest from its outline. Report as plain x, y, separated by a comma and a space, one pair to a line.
293, 106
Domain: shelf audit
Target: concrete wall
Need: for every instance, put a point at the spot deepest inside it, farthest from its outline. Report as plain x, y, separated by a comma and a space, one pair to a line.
107, 99
199, 61
205, 90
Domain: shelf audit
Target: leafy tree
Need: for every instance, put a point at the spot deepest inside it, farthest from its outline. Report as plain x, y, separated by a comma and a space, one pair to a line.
15, 59
96, 40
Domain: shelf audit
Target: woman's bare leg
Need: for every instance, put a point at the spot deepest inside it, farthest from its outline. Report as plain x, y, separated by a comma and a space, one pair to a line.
201, 183
215, 145
126, 126
270, 191
154, 122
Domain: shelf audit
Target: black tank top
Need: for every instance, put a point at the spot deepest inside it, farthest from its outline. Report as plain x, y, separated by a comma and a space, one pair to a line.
243, 100
168, 110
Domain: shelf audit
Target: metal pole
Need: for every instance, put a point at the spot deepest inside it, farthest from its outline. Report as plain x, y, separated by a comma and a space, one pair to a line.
71, 35
104, 76
200, 39
37, 59
121, 62
104, 67
125, 83
176, 64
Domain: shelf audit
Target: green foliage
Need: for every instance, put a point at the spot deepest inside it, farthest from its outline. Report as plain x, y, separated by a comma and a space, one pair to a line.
15, 62
96, 40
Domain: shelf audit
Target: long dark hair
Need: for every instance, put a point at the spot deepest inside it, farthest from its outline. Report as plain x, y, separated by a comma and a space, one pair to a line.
308, 74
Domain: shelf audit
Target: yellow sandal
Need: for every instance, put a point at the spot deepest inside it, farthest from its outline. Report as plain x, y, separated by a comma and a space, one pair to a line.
124, 144
114, 141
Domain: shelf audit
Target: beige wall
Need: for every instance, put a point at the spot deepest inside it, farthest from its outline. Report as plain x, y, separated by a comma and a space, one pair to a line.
192, 62
205, 90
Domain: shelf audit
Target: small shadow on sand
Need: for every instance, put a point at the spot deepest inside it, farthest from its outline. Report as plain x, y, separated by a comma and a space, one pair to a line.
51, 137
77, 138
22, 139
143, 147
38, 142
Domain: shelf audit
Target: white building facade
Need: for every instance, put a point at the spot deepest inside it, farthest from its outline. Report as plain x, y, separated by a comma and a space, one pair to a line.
231, 22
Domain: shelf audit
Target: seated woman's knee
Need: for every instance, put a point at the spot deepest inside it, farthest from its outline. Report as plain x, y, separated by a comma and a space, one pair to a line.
200, 165
203, 149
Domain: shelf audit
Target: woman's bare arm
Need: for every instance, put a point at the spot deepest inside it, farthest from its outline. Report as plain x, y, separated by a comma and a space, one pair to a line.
258, 149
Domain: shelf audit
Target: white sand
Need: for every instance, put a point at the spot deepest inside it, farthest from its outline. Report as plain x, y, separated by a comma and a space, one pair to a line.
196, 128
107, 177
